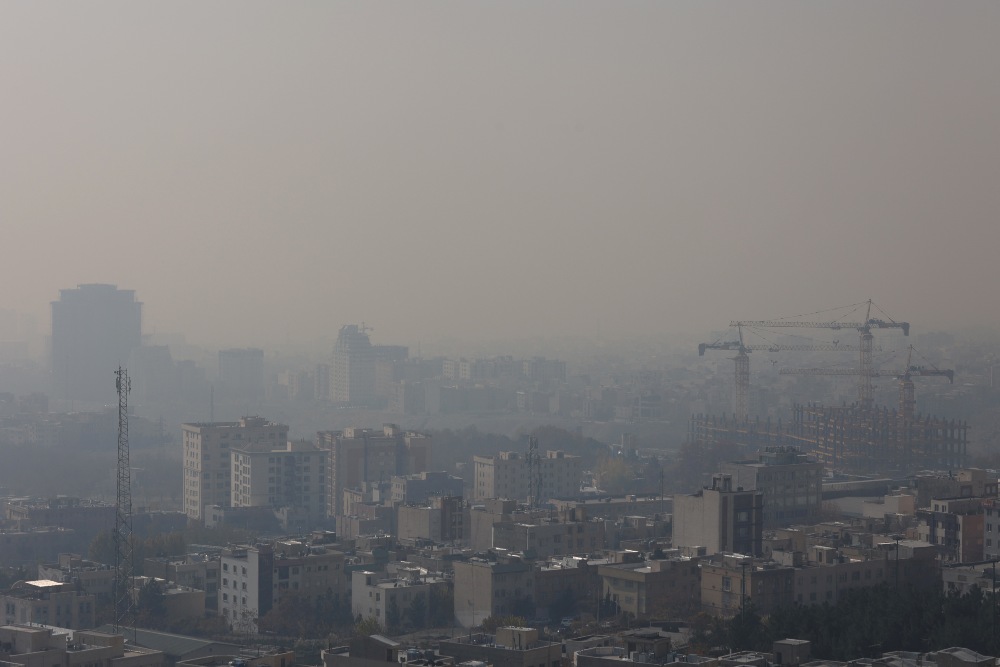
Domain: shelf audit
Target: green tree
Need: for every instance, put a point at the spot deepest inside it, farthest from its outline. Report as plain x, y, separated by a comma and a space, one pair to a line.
441, 605
151, 605
491, 623
393, 617
368, 626
416, 613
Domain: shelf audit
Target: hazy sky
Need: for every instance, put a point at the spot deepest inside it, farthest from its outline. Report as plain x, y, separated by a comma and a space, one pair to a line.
257, 171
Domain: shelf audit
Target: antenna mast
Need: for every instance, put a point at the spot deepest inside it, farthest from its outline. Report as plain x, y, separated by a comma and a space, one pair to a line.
534, 479
124, 557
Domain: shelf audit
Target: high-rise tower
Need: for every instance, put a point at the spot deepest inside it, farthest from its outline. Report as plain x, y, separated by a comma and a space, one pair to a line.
353, 369
94, 328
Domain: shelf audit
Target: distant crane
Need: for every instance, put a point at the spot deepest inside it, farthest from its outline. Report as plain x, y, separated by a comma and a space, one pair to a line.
742, 360
907, 402
866, 369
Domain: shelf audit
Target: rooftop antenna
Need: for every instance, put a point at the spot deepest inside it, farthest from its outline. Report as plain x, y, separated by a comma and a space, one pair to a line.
124, 557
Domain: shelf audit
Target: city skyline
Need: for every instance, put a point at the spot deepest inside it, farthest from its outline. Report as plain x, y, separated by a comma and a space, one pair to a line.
501, 171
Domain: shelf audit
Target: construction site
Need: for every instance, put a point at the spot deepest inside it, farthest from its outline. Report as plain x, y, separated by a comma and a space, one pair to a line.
855, 438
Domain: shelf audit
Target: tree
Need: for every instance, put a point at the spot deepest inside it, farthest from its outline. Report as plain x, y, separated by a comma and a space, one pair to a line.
392, 616
364, 627
491, 623
416, 613
442, 605
151, 606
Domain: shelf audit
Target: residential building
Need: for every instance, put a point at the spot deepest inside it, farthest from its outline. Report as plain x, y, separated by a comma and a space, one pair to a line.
48, 602
966, 483
497, 587
180, 603
668, 587
359, 455
956, 526
208, 458
420, 486
567, 585
400, 599
792, 484
442, 520
288, 476
510, 647
548, 537
507, 475
254, 578
730, 581
97, 579
722, 518
94, 330
37, 646
200, 571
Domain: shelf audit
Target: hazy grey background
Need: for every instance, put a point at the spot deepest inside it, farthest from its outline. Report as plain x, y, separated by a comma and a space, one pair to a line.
264, 172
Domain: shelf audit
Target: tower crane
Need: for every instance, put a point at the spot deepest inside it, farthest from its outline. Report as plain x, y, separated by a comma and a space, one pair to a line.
866, 369
742, 360
907, 402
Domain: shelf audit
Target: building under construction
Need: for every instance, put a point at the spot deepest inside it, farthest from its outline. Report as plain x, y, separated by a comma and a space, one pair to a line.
856, 438
848, 439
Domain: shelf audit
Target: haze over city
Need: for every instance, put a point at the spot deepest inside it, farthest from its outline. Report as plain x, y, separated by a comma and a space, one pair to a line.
261, 173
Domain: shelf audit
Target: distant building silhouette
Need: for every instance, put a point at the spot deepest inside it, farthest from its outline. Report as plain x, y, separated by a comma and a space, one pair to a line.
353, 368
94, 330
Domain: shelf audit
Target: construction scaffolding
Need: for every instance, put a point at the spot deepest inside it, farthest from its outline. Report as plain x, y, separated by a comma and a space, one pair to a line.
850, 439
847, 439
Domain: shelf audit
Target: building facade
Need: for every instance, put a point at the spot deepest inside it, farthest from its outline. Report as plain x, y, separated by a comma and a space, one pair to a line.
508, 475
357, 455
208, 458
289, 476
722, 518
792, 484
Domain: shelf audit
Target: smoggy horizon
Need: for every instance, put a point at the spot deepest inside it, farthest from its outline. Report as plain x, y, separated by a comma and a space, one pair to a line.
261, 173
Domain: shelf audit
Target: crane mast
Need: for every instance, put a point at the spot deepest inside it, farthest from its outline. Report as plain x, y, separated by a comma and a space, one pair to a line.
742, 363
865, 346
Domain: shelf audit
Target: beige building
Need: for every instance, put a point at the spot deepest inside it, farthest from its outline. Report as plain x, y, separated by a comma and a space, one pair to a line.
48, 603
357, 455
397, 601
95, 578
722, 518
548, 537
792, 484
179, 602
507, 476
254, 578
493, 588
289, 476
662, 588
510, 647
728, 581
34, 646
441, 520
208, 460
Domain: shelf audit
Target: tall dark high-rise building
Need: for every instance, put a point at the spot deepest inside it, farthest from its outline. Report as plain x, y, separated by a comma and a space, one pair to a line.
95, 327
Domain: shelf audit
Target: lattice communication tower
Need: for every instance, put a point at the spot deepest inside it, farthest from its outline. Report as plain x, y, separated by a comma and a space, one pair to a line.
124, 597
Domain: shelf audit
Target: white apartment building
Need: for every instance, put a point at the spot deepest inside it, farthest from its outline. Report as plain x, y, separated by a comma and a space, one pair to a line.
507, 475
254, 578
283, 475
208, 460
